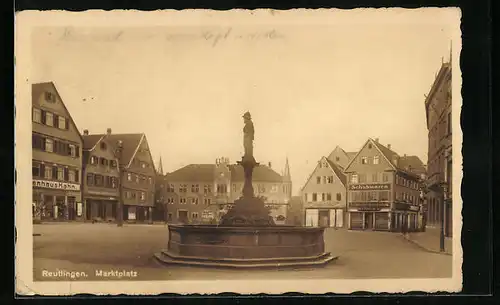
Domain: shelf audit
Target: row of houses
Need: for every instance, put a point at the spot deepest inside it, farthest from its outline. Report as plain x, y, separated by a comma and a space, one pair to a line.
83, 176
373, 189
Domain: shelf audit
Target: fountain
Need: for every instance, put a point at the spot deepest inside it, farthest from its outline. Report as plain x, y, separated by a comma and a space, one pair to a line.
246, 236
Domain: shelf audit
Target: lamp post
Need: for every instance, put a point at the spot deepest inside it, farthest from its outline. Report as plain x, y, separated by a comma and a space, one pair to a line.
119, 210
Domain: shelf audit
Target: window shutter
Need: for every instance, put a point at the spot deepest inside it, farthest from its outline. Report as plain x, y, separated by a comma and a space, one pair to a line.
66, 174
56, 121
43, 114
54, 172
77, 151
77, 176
34, 141
67, 123
43, 141
56, 146
42, 170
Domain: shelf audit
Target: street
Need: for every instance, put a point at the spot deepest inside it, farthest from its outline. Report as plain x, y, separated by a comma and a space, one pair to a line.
89, 248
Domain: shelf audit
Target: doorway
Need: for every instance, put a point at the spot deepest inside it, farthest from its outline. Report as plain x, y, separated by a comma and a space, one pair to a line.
183, 216
369, 221
324, 218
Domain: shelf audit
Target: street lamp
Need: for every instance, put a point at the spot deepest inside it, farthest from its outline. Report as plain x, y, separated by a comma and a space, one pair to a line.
444, 187
119, 210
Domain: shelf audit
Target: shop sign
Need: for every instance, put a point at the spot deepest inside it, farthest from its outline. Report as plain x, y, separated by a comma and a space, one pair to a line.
367, 209
369, 187
55, 185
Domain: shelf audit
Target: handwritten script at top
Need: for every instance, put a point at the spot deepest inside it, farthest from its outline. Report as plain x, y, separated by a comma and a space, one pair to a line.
213, 37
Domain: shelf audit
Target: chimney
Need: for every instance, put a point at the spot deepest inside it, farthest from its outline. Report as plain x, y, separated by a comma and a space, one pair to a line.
269, 164
85, 132
389, 146
376, 140
108, 131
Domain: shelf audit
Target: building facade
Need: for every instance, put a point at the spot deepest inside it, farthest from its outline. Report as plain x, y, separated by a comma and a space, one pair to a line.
340, 157
439, 164
101, 174
137, 175
324, 196
383, 189
202, 193
56, 159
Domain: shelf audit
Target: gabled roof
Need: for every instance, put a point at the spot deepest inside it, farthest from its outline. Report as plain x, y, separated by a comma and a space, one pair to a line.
402, 162
90, 141
386, 153
35, 90
338, 172
351, 154
130, 143
445, 67
205, 173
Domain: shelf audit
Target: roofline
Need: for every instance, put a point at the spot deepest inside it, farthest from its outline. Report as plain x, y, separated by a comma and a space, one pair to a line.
359, 151
445, 67
314, 170
329, 165
52, 83
95, 145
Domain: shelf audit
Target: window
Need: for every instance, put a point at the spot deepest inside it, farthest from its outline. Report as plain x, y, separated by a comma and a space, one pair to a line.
324, 179
354, 178
385, 177
49, 119
37, 115
315, 197
274, 188
383, 195
150, 180
99, 180
370, 146
90, 179
104, 161
318, 180
143, 196
194, 215
49, 145
103, 146
330, 179
62, 122
36, 169
329, 196
60, 173
170, 188
113, 163
71, 175
375, 160
48, 172
207, 201
194, 200
170, 200
364, 160
136, 178
375, 177
183, 188
182, 200
129, 177
114, 183
262, 188
143, 164
195, 188
339, 197
362, 178
372, 196
72, 151
128, 194
49, 97
337, 159
323, 197
207, 189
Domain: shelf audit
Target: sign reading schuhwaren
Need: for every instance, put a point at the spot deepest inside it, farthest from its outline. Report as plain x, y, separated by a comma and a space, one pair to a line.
368, 187
56, 185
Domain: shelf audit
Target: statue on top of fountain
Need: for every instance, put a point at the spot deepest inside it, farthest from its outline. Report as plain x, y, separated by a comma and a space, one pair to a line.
248, 135
248, 210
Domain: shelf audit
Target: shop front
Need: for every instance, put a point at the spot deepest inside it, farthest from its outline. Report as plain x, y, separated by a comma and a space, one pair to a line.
138, 214
56, 201
99, 207
369, 216
332, 217
405, 217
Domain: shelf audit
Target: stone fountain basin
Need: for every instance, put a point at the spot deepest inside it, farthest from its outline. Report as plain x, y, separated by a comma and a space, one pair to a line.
245, 246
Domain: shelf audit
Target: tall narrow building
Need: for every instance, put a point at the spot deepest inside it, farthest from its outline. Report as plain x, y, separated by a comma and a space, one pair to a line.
439, 164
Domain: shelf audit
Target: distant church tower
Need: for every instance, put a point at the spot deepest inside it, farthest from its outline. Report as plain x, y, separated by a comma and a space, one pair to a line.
160, 168
287, 178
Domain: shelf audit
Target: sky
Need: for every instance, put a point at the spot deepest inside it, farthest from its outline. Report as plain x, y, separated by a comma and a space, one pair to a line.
309, 88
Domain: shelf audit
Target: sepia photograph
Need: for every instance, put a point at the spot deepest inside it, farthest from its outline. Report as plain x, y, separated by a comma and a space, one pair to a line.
260, 151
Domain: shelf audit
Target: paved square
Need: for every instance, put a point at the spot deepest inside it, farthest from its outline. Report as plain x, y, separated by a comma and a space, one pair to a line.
96, 248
